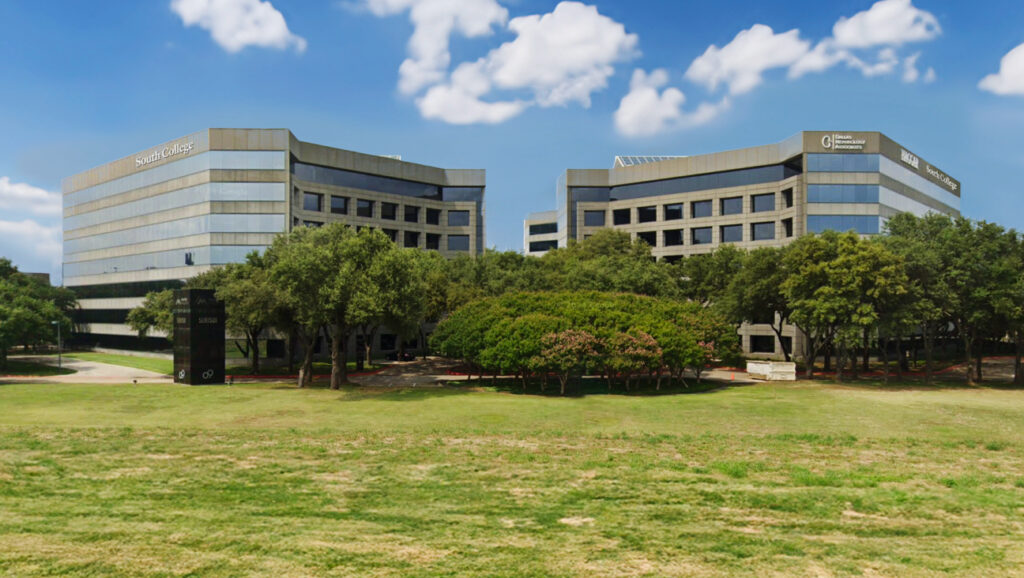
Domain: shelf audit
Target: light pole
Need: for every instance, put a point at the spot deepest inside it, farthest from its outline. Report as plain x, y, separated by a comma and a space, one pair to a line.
60, 361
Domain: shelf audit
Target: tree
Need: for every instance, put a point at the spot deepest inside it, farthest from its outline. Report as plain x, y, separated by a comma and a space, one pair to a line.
155, 313
251, 302
632, 353
567, 353
755, 292
705, 278
30, 310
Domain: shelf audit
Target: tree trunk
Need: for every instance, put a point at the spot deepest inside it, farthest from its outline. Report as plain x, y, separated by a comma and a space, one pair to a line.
929, 352
978, 359
782, 342
840, 361
866, 367
254, 346
562, 379
423, 343
291, 350
828, 356
339, 356
306, 371
1018, 369
884, 352
968, 356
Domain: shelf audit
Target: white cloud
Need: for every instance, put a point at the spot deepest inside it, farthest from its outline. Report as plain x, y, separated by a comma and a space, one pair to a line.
929, 76
560, 57
24, 198
886, 23
910, 72
742, 63
236, 24
434, 21
31, 246
1010, 78
645, 111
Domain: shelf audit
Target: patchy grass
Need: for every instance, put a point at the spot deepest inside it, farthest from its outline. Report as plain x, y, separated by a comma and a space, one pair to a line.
276, 367
162, 366
271, 480
20, 368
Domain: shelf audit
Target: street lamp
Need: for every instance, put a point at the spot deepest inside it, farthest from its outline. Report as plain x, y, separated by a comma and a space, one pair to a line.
60, 361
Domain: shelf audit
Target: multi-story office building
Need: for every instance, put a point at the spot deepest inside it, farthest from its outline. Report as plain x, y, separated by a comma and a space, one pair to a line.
754, 197
151, 220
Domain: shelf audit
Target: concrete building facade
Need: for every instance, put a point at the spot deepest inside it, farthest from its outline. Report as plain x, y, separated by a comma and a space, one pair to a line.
150, 221
763, 196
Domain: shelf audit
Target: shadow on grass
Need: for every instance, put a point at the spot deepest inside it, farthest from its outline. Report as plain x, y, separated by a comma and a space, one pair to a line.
914, 384
591, 386
16, 368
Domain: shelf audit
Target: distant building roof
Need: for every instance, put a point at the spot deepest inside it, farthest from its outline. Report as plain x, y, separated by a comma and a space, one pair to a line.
634, 160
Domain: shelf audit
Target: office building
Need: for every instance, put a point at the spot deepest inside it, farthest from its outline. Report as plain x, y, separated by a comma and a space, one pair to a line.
151, 220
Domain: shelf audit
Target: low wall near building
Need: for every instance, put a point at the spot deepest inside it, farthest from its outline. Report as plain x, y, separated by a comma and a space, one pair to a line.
772, 370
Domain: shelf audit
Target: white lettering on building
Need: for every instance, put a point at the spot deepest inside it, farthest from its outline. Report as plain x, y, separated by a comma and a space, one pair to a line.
843, 142
941, 177
910, 159
180, 148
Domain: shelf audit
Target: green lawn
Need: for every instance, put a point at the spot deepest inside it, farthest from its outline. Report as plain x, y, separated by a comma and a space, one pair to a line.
164, 366
27, 368
270, 480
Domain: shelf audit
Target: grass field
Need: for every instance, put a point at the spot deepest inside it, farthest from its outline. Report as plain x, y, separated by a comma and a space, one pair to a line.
801, 479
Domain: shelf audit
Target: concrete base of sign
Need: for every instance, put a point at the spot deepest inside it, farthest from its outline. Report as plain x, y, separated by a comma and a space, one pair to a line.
772, 370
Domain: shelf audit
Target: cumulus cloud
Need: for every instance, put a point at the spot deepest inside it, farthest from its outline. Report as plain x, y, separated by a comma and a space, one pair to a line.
886, 23
236, 24
24, 198
434, 22
647, 110
555, 59
742, 63
32, 246
1010, 78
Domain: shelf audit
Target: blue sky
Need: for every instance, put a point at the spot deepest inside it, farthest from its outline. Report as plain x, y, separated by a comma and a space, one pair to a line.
522, 88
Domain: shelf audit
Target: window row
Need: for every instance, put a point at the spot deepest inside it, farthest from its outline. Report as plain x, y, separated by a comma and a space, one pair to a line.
411, 239
382, 184
762, 203
726, 234
314, 202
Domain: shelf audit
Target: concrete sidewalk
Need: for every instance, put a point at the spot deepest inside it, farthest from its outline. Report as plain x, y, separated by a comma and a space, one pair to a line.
87, 372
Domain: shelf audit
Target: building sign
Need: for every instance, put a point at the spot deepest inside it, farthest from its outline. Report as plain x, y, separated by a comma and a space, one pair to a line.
180, 148
198, 337
910, 159
843, 142
941, 177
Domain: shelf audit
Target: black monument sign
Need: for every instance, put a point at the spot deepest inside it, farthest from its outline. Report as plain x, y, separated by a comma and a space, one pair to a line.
198, 337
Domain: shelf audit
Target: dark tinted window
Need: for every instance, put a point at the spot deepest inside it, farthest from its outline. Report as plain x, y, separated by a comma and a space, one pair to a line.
762, 344
722, 180
593, 218
732, 206
538, 246
458, 219
842, 163
674, 212
433, 216
763, 203
339, 205
647, 214
458, 242
313, 224
621, 216
392, 234
701, 236
312, 201
787, 227
342, 178
863, 224
388, 211
842, 193
673, 237
700, 209
364, 208
412, 214
543, 228
762, 231
649, 237
787, 198
433, 242
412, 239
732, 233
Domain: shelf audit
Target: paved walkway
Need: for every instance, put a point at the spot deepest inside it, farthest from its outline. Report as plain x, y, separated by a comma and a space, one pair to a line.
87, 372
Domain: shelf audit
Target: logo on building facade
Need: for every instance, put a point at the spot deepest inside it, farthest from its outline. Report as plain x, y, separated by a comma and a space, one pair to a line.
180, 148
941, 177
843, 142
910, 159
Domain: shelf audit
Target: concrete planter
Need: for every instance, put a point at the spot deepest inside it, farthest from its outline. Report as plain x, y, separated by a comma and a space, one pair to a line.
772, 370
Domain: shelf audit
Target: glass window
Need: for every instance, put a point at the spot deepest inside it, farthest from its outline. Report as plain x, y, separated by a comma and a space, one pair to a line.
842, 163
388, 342
674, 212
339, 205
732, 233
787, 227
543, 228
787, 198
673, 237
673, 259
392, 234
388, 211
621, 216
541, 246
701, 236
862, 224
458, 219
458, 242
763, 203
647, 214
842, 193
412, 239
762, 344
312, 202
364, 208
762, 231
433, 216
433, 242
353, 180
700, 209
737, 178
649, 237
313, 224
593, 218
732, 206
412, 214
